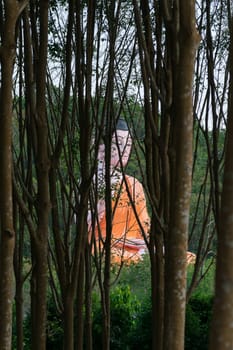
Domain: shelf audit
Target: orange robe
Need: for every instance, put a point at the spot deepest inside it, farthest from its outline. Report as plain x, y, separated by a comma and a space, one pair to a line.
130, 223
130, 219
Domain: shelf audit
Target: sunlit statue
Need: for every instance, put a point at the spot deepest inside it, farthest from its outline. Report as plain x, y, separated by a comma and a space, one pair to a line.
130, 219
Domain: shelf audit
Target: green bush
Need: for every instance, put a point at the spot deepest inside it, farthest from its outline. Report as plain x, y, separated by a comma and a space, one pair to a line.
206, 285
131, 319
133, 273
198, 316
125, 309
141, 338
192, 330
54, 329
124, 312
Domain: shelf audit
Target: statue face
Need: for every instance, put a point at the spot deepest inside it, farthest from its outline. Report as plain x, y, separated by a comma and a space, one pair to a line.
121, 147
124, 141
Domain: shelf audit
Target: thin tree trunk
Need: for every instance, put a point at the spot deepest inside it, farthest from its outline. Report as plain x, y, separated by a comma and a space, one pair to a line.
40, 244
18, 268
221, 337
80, 302
68, 321
7, 238
39, 296
150, 76
19, 317
157, 288
88, 300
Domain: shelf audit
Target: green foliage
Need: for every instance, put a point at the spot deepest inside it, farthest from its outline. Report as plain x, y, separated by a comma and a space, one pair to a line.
198, 316
125, 309
192, 329
206, 285
142, 336
201, 218
138, 277
131, 315
26, 334
199, 309
54, 328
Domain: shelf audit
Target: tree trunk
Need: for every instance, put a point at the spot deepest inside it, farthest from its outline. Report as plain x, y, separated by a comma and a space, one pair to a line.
40, 243
7, 238
80, 311
39, 297
88, 300
221, 337
182, 117
68, 321
18, 268
157, 291
19, 315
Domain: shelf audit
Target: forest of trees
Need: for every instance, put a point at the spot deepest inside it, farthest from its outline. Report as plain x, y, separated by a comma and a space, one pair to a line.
69, 70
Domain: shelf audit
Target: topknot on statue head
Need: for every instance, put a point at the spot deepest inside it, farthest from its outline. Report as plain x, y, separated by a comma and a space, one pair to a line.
117, 124
122, 124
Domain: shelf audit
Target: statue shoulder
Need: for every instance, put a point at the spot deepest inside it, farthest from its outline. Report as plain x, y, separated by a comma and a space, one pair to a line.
133, 182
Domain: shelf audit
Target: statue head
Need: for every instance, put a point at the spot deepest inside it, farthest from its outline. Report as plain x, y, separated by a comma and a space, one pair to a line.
122, 138
120, 147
